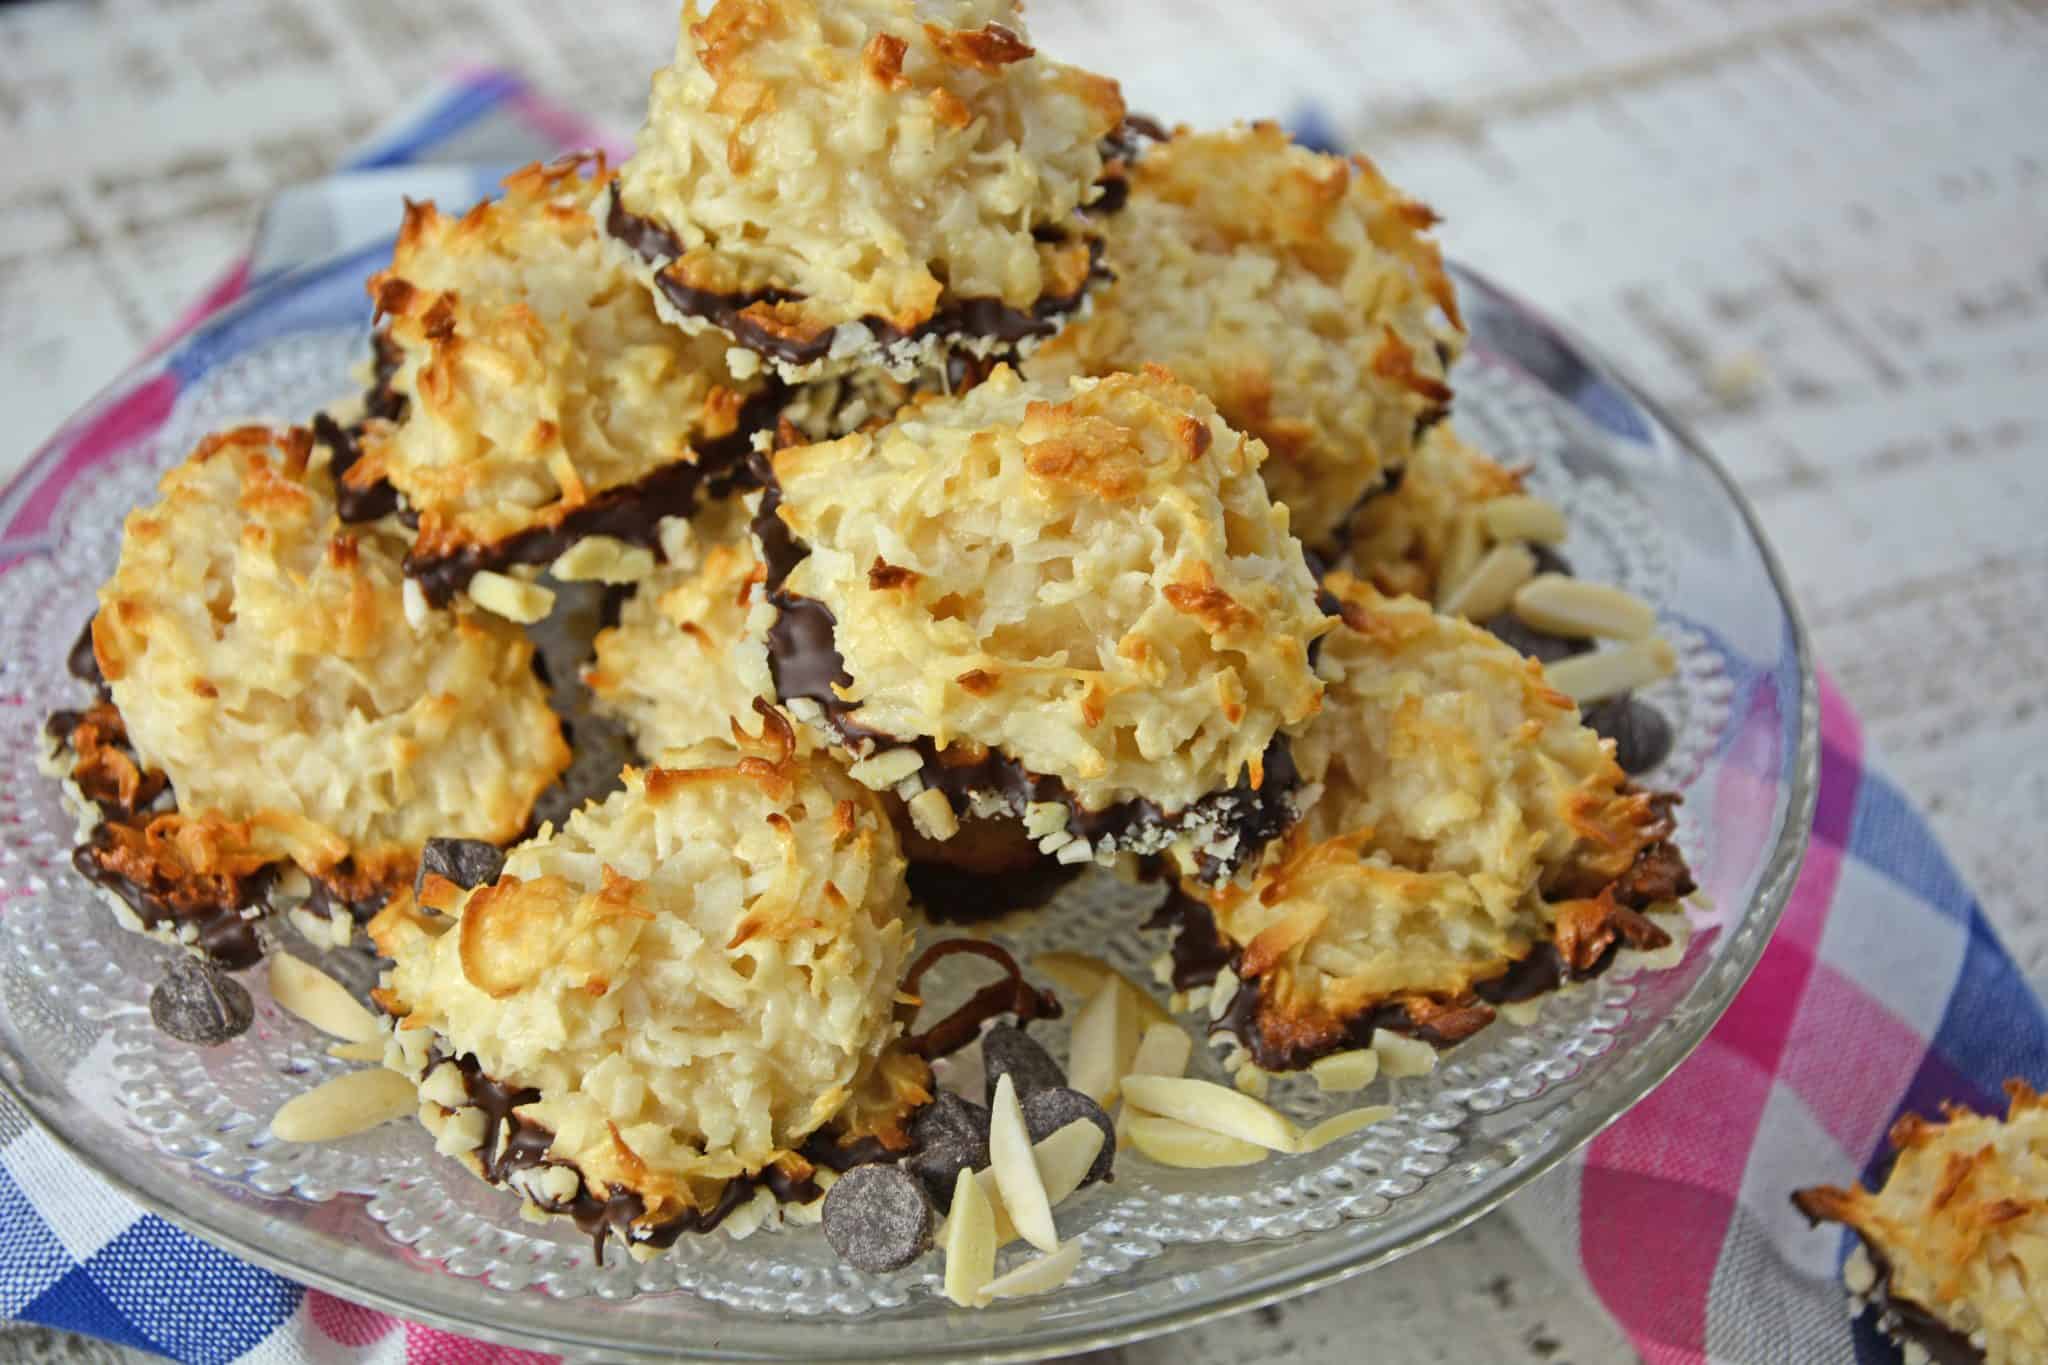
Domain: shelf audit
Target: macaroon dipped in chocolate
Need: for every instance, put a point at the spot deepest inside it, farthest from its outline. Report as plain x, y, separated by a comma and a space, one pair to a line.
1066, 605
866, 183
541, 402
270, 706
679, 1005
1952, 1251
1298, 290
1471, 842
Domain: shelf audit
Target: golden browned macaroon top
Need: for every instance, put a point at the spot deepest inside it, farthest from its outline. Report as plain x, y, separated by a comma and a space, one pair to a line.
886, 170
1084, 578
262, 658
1461, 820
691, 976
1300, 291
545, 399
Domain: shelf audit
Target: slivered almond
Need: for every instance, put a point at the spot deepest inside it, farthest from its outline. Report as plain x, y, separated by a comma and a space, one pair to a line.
347, 1105
1098, 1060
1344, 1125
1595, 677
1214, 1107
1163, 1050
1461, 553
970, 1242
1402, 1056
1342, 1071
886, 768
1521, 516
1173, 1143
933, 815
1016, 1169
1558, 605
320, 1000
1082, 975
1064, 1159
511, 598
603, 559
1491, 585
368, 1050
1034, 1276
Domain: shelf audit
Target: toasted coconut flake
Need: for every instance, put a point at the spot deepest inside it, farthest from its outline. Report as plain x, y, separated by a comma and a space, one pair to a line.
1081, 975
1213, 1107
1522, 516
1401, 1057
1016, 1169
970, 1242
1036, 1276
511, 598
1173, 1143
1344, 1125
1595, 677
345, 1106
1491, 585
1345, 1071
1098, 1058
323, 1002
1558, 605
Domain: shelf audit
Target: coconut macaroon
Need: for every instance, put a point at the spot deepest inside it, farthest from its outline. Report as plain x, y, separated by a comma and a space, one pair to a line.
1420, 536
865, 182
650, 1011
1070, 603
1299, 291
259, 657
1953, 1250
1469, 843
666, 670
549, 415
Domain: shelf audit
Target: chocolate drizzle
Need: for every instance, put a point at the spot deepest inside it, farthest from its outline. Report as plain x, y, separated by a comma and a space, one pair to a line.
975, 318
804, 660
1013, 995
631, 512
513, 1143
382, 403
222, 931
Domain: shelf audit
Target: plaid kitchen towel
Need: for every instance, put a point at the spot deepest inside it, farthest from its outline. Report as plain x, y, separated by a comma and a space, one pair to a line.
1884, 991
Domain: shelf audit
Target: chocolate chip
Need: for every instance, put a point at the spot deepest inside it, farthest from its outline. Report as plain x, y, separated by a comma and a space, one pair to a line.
1009, 1050
951, 1134
1641, 734
878, 1219
198, 1003
1048, 1111
1511, 630
469, 863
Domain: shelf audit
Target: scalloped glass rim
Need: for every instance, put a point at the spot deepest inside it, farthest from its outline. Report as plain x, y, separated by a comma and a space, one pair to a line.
1605, 413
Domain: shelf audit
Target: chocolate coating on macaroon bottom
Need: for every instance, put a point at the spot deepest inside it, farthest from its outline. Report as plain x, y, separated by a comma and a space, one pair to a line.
805, 662
988, 319
632, 512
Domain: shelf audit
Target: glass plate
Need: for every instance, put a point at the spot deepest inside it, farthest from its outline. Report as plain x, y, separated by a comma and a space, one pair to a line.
381, 1219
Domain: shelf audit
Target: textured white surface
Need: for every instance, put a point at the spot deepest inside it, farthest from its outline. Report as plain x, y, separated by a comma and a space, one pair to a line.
1813, 229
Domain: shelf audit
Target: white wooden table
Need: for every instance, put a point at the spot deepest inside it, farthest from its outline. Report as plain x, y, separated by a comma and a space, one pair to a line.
1818, 230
